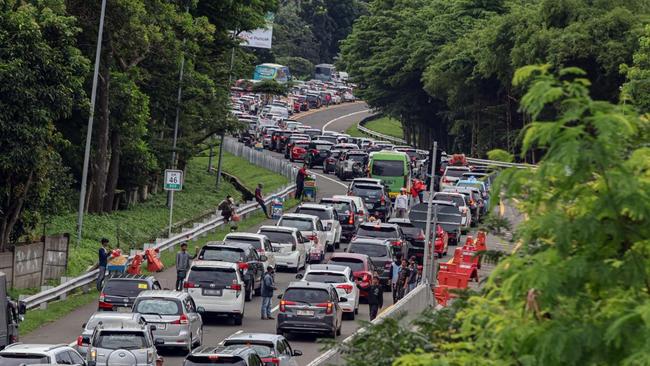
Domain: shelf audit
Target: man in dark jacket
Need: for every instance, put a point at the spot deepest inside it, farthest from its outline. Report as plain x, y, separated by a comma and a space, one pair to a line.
103, 255
268, 285
375, 297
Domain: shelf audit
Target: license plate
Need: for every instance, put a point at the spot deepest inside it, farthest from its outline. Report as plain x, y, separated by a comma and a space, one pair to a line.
122, 309
160, 326
305, 313
209, 292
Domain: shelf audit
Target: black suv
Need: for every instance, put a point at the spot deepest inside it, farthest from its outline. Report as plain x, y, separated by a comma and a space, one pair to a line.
346, 211
329, 165
388, 232
376, 199
120, 290
250, 263
414, 235
317, 152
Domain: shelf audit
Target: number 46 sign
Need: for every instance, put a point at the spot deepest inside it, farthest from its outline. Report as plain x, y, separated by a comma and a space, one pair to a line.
173, 180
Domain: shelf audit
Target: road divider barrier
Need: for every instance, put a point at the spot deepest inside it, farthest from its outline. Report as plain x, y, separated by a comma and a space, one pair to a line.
463, 268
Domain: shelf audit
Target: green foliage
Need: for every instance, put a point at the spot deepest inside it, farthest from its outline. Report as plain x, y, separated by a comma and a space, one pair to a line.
270, 87
500, 155
637, 88
301, 68
387, 126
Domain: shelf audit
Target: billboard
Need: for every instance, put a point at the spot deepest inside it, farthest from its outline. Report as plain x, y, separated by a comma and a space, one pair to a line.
261, 37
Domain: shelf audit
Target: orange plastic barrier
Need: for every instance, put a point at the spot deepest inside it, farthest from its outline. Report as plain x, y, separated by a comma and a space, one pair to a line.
136, 264
153, 262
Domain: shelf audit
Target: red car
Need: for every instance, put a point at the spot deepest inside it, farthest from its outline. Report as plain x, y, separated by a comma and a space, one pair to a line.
299, 150
361, 267
442, 241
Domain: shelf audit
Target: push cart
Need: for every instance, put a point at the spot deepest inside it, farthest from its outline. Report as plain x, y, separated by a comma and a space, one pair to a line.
310, 189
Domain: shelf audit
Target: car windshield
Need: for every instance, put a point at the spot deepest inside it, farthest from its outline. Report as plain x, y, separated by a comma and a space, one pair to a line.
456, 173
477, 185
357, 157
321, 214
9, 359
308, 295
341, 207
124, 288
335, 153
157, 306
212, 275
224, 254
281, 237
325, 277
210, 360
300, 224
303, 145
354, 264
120, 339
384, 232
458, 200
388, 168
263, 349
367, 192
255, 242
371, 250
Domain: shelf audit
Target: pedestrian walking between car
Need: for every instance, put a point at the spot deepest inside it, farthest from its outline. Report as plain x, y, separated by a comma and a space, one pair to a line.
375, 297
103, 263
183, 261
401, 204
260, 199
268, 285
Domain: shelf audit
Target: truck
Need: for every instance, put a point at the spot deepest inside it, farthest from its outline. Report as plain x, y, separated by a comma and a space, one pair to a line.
11, 313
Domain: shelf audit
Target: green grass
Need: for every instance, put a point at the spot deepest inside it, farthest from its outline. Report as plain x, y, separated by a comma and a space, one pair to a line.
148, 220
384, 125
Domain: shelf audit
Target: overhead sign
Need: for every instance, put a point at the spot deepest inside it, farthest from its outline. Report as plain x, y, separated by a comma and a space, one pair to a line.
261, 37
173, 180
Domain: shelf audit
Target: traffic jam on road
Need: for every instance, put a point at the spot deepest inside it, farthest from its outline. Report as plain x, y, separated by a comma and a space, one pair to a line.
343, 247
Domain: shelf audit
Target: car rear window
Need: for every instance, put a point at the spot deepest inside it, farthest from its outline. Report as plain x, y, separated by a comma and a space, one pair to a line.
383, 232
341, 207
325, 277
224, 254
263, 349
357, 157
300, 224
157, 306
321, 214
323, 146
458, 200
279, 236
368, 192
126, 288
308, 295
388, 168
214, 360
120, 339
23, 359
354, 264
212, 275
256, 243
371, 250
456, 173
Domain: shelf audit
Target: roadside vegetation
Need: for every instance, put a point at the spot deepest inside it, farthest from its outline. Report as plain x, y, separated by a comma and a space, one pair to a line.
384, 125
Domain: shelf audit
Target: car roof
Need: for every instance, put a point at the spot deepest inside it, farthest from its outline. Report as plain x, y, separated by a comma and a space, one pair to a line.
279, 228
128, 276
123, 325
308, 284
368, 186
163, 293
315, 206
380, 224
245, 235
113, 315
31, 348
266, 337
362, 257
299, 216
443, 203
327, 268
340, 198
234, 350
397, 220
370, 241
230, 245
214, 264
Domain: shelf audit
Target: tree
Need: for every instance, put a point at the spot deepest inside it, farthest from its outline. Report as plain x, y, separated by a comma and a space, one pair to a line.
41, 79
637, 88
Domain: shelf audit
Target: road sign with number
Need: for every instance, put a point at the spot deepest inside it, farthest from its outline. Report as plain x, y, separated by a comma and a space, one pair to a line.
173, 180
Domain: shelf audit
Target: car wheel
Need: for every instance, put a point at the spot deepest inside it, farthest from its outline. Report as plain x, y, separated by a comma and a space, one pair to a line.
239, 319
190, 344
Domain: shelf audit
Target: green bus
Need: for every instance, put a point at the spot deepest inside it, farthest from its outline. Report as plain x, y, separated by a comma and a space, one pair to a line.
393, 168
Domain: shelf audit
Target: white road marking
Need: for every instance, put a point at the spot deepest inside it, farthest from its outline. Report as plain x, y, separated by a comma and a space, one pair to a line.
344, 116
326, 177
238, 332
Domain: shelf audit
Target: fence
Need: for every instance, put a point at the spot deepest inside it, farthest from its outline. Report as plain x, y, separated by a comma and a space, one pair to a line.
407, 308
260, 158
31, 265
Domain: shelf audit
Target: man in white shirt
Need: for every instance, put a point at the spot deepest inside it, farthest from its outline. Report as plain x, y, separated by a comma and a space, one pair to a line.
401, 204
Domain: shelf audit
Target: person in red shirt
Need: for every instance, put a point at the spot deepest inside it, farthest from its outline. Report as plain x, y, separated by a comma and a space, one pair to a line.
300, 181
417, 189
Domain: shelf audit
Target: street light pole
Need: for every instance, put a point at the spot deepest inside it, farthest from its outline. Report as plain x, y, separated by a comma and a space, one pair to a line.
427, 248
91, 117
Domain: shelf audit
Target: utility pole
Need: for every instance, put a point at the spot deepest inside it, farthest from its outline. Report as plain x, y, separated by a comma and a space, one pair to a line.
428, 258
89, 132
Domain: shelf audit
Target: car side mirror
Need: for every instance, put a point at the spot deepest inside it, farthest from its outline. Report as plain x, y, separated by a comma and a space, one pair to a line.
263, 258
153, 327
343, 299
297, 352
83, 326
158, 342
329, 226
280, 296
299, 276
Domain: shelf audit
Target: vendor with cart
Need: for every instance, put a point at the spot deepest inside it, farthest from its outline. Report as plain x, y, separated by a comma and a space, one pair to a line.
300, 181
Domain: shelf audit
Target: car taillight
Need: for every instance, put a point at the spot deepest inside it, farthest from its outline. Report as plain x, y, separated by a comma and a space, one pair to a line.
189, 285
283, 303
102, 296
80, 341
396, 243
242, 265
327, 305
149, 356
181, 320
351, 220
382, 200
273, 361
445, 180
471, 202
234, 286
313, 237
347, 287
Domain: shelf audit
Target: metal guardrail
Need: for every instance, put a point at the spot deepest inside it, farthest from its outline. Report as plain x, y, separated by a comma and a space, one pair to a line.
408, 308
380, 135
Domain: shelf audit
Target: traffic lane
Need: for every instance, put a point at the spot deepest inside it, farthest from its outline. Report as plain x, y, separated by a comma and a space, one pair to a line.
324, 115
342, 123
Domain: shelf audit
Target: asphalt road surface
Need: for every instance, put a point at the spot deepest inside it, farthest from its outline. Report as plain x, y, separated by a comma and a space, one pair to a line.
337, 118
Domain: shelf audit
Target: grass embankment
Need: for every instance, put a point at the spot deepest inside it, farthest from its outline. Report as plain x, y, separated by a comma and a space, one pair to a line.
145, 221
384, 125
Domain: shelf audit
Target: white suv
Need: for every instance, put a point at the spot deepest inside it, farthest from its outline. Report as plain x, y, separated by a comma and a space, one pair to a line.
40, 354
217, 288
330, 220
342, 278
261, 243
288, 245
311, 228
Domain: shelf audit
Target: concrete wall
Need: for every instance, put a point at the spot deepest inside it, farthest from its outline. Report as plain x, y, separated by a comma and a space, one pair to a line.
31, 265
